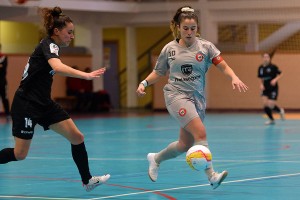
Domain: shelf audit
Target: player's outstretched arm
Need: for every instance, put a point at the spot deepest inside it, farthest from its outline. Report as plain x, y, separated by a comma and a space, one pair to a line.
65, 70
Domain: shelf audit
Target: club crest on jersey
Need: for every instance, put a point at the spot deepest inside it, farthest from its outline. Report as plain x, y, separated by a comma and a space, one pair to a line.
182, 112
199, 57
186, 69
54, 48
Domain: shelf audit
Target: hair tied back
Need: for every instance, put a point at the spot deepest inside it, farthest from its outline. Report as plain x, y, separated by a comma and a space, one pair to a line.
187, 9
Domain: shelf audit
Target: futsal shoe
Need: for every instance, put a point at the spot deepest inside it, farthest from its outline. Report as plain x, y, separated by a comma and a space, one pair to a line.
95, 181
282, 114
216, 179
153, 167
270, 122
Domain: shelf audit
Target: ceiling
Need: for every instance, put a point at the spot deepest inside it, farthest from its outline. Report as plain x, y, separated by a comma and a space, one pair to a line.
111, 13
104, 12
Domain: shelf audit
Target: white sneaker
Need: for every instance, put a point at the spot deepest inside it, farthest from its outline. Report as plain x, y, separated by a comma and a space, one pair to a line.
216, 179
282, 114
153, 167
270, 122
96, 181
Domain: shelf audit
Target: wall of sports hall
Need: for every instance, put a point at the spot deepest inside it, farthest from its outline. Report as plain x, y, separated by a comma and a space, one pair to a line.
242, 30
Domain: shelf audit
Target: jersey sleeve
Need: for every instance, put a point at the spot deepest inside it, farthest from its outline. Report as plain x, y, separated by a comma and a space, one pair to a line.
3, 60
260, 72
213, 52
277, 70
50, 49
162, 66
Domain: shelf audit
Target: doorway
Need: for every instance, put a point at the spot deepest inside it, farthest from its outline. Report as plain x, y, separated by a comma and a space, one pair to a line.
111, 76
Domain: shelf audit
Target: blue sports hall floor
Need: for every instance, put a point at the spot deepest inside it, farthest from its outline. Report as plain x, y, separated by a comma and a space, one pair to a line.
263, 161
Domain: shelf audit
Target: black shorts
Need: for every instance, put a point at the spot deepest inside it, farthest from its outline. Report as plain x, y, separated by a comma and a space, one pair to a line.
272, 94
26, 114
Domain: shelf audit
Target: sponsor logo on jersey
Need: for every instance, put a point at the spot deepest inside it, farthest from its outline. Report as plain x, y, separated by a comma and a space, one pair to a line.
199, 57
27, 132
184, 79
52, 72
54, 48
186, 69
182, 112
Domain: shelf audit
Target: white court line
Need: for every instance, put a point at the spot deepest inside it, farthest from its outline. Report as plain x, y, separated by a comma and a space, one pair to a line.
152, 191
202, 185
174, 160
45, 198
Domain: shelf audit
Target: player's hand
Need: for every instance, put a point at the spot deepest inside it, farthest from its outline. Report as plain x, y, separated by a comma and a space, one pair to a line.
237, 83
273, 82
96, 73
141, 90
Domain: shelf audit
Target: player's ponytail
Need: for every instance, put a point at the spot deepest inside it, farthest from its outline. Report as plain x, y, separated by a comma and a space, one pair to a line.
54, 18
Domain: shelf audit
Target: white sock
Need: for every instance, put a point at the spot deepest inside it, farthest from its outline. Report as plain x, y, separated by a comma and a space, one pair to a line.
209, 171
168, 153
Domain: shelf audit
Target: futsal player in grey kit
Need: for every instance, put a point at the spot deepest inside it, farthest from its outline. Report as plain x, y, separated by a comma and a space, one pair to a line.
187, 58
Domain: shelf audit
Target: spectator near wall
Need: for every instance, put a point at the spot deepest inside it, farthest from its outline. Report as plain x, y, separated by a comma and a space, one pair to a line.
3, 84
87, 99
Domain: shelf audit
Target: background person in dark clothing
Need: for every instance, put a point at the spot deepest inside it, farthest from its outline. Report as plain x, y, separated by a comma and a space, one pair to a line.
269, 75
3, 84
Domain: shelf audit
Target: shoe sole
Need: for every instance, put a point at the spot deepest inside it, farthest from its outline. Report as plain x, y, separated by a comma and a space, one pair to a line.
151, 178
268, 124
100, 183
149, 170
221, 180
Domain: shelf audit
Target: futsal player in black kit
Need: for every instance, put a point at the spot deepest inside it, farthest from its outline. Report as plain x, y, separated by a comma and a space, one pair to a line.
32, 103
269, 75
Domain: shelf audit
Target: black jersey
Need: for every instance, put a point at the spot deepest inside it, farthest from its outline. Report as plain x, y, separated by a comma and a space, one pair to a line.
38, 75
3, 69
267, 73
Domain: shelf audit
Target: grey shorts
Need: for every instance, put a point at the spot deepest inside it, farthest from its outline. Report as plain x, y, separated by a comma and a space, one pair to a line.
185, 110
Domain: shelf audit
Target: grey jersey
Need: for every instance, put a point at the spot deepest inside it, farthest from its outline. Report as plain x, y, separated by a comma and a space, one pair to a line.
187, 67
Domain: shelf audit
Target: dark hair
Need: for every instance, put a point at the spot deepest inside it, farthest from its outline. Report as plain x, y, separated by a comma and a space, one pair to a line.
270, 53
266, 53
185, 12
53, 18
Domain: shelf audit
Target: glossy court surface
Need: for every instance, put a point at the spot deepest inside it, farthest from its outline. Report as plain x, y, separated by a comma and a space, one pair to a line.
263, 161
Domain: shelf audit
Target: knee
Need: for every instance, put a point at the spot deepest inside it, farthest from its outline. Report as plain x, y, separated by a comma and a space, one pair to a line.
21, 155
183, 147
77, 138
186, 148
200, 137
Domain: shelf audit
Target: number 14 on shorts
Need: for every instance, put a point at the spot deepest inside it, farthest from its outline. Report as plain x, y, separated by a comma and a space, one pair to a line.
28, 122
